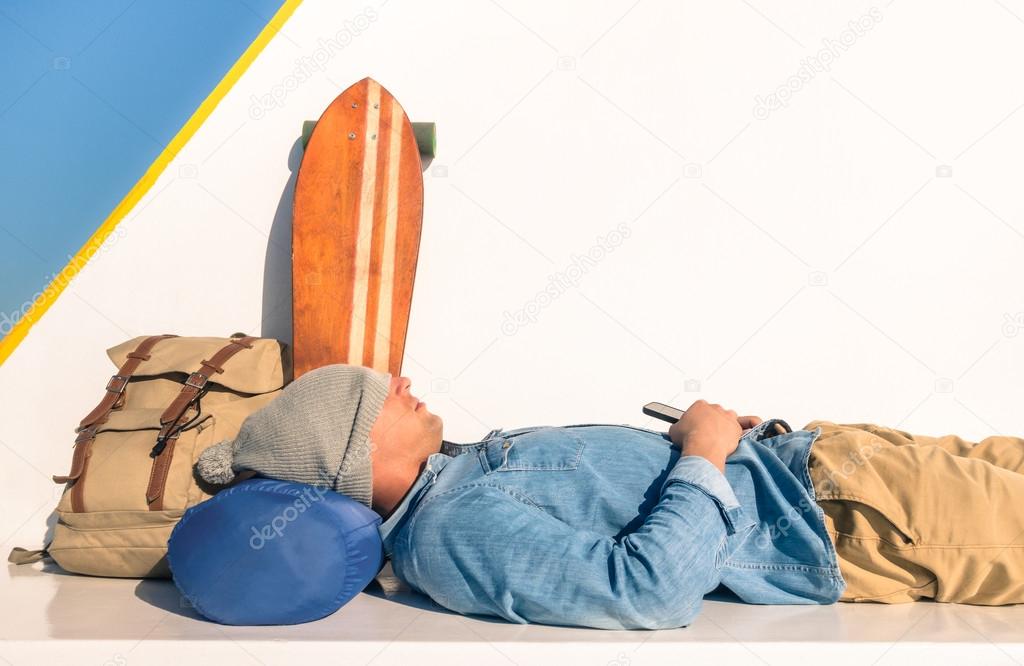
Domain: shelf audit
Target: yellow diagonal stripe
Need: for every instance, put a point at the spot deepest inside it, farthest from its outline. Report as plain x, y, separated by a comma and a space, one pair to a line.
49, 295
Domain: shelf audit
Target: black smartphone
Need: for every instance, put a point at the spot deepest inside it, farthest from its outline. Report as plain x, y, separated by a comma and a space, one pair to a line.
660, 410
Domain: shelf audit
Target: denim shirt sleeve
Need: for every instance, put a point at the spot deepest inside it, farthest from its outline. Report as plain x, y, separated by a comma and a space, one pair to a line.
481, 549
703, 474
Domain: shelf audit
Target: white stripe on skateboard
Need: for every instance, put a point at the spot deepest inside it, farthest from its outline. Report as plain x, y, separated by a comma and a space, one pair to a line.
364, 232
382, 346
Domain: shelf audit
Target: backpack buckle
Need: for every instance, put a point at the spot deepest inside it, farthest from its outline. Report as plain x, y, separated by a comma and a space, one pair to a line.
117, 383
196, 380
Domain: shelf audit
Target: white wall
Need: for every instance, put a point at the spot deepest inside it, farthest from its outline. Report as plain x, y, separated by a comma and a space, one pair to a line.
814, 263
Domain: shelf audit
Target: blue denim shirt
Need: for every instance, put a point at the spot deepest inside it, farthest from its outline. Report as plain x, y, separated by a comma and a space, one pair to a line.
609, 526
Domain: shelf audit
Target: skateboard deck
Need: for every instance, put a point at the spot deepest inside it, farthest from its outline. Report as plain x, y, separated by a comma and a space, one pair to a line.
356, 224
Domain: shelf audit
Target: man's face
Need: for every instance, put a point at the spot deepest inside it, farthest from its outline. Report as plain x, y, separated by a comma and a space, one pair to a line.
405, 426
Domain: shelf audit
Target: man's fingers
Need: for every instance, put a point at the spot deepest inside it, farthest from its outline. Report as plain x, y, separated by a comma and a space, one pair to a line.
748, 421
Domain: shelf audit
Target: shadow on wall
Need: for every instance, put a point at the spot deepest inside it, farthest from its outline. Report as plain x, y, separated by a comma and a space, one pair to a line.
276, 321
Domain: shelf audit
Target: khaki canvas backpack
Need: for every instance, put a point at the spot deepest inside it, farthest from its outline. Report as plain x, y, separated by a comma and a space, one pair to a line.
132, 474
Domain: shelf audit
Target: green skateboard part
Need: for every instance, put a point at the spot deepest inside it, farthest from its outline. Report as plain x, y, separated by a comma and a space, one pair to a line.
426, 138
307, 131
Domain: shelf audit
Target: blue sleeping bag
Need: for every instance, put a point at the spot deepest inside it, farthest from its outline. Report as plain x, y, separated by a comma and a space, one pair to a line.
274, 552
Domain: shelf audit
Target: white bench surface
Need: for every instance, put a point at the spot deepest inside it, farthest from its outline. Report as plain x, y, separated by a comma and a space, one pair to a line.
51, 617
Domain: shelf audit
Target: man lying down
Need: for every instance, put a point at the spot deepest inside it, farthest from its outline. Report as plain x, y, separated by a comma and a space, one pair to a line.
617, 527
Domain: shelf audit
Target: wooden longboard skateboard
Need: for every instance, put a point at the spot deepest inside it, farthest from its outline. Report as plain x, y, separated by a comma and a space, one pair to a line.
356, 226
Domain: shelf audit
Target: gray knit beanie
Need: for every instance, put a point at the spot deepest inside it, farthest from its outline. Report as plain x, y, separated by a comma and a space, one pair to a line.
317, 431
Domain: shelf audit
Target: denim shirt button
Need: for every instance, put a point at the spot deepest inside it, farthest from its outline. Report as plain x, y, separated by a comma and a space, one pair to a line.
506, 444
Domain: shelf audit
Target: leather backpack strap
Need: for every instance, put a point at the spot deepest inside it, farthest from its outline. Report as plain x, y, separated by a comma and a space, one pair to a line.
112, 399
175, 417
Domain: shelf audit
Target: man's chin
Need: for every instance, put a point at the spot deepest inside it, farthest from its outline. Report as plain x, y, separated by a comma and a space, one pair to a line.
438, 427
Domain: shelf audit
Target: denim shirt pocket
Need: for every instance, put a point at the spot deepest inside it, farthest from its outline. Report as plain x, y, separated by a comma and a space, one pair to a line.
541, 449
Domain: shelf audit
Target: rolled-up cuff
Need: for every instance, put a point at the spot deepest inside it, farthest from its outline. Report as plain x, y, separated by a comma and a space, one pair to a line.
702, 474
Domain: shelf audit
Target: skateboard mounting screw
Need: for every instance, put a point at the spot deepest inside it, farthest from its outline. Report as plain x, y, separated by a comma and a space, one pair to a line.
376, 106
354, 105
373, 137
351, 135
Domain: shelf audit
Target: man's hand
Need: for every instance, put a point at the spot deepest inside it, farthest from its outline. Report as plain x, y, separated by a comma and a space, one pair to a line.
710, 431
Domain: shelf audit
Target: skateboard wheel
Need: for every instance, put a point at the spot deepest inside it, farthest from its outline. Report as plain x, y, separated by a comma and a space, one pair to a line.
426, 138
307, 131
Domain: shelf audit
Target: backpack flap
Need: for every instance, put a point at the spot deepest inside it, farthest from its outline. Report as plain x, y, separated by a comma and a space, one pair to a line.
264, 367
